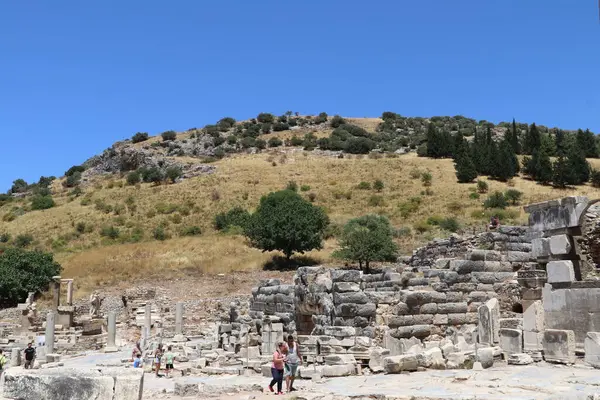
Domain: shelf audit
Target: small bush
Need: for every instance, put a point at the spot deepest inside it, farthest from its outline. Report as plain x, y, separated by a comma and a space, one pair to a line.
482, 186
280, 126
434, 220
23, 240
74, 169
215, 195
274, 142
80, 227
168, 135
455, 207
292, 185
410, 206
139, 137
449, 224
364, 186
496, 200
176, 219
153, 174
260, 144
73, 180
265, 128
173, 173
42, 202
133, 178
237, 216
159, 233
231, 140
4, 237
332, 231
110, 232
427, 192
402, 232
376, 201
305, 188
414, 173
513, 196
265, 118
474, 196
426, 179
336, 121
296, 141
378, 185
321, 118
421, 227
312, 197
192, 231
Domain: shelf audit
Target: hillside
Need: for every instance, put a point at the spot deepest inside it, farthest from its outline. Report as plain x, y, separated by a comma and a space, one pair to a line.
106, 232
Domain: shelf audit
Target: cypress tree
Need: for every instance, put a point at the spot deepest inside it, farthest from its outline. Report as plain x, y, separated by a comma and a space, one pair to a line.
578, 165
463, 164
561, 173
587, 142
433, 141
514, 138
543, 165
533, 140
477, 152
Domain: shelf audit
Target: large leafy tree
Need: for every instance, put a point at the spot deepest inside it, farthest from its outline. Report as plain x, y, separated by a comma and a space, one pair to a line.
286, 222
366, 239
23, 271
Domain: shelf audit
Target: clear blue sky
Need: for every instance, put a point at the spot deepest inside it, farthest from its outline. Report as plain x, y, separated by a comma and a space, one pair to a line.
75, 76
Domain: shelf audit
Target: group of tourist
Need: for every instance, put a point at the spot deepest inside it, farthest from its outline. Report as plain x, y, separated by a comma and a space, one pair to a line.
29, 353
159, 355
285, 365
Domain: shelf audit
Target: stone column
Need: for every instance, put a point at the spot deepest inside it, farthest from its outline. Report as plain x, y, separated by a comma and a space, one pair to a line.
112, 333
50, 332
147, 320
15, 357
55, 292
70, 292
179, 324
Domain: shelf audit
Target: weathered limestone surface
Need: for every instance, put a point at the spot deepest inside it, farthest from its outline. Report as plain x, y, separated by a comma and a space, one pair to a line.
592, 349
556, 214
560, 271
559, 346
511, 341
73, 384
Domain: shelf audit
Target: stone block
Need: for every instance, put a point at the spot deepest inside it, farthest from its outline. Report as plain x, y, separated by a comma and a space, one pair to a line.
540, 248
510, 323
429, 308
343, 287
486, 357
249, 352
342, 275
511, 341
457, 360
397, 364
452, 308
533, 316
484, 255
187, 388
92, 327
350, 297
310, 372
339, 359
431, 358
592, 349
532, 294
559, 346
376, 358
532, 341
518, 256
560, 245
265, 370
560, 271
556, 214
440, 319
338, 370
520, 359
339, 331
488, 325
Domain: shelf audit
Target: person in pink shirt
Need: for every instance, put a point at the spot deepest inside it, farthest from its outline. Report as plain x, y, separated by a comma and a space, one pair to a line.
278, 367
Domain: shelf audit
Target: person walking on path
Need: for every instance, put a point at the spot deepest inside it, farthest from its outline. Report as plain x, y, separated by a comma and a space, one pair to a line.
29, 356
158, 354
293, 360
2, 362
277, 368
169, 358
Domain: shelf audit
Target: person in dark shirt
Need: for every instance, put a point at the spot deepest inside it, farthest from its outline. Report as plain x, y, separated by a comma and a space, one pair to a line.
29, 356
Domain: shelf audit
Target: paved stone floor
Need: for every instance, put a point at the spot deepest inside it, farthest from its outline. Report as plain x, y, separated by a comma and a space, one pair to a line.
502, 382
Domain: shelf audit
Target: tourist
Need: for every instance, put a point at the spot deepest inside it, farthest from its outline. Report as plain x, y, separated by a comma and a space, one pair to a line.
277, 368
29, 356
157, 358
2, 362
136, 350
137, 363
494, 223
169, 358
293, 360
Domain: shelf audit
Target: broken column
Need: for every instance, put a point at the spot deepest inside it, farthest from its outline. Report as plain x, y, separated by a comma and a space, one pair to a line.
70, 292
15, 357
50, 332
55, 292
592, 349
112, 333
179, 324
147, 320
488, 326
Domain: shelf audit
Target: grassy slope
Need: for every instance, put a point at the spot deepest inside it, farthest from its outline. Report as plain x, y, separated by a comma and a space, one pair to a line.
242, 180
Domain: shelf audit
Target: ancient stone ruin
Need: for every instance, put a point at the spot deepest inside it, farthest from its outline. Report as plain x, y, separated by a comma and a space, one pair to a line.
516, 295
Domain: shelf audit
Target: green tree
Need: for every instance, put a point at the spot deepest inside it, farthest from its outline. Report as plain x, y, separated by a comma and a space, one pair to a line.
237, 216
265, 118
463, 164
505, 164
378, 185
587, 141
169, 135
42, 202
513, 196
366, 239
173, 173
139, 137
514, 138
285, 221
133, 178
24, 271
495, 200
578, 165
19, 186
533, 140
539, 166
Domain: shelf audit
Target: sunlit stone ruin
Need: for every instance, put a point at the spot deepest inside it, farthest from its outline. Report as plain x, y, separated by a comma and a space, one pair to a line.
514, 297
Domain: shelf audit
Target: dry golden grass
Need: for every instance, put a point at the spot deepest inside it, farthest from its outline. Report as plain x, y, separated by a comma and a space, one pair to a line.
242, 180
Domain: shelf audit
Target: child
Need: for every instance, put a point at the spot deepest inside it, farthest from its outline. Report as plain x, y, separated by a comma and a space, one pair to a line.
137, 363
169, 358
277, 368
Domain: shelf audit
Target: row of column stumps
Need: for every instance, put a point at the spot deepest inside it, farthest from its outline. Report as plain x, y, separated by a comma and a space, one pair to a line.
112, 328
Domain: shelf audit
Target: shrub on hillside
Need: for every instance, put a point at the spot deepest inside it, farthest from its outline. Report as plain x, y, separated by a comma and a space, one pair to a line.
359, 145
24, 271
449, 224
321, 118
513, 196
42, 202
226, 123
74, 169
133, 178
192, 231
248, 142
292, 185
364, 186
280, 126
173, 172
168, 135
376, 201
23, 240
218, 140
265, 118
426, 179
305, 188
260, 144
153, 174
482, 186
595, 178
274, 142
139, 137
73, 179
265, 128
286, 222
159, 233
237, 216
19, 186
337, 121
296, 141
496, 200
378, 185
110, 232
